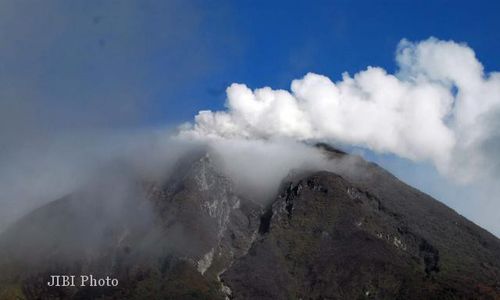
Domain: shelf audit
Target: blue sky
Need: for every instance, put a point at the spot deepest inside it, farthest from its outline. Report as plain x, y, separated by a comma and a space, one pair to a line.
169, 59
269, 43
67, 66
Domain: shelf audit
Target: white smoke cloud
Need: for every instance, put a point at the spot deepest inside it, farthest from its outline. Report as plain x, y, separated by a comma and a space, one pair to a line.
440, 106
257, 168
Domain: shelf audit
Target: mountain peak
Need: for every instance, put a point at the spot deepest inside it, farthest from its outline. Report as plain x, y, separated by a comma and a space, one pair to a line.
356, 232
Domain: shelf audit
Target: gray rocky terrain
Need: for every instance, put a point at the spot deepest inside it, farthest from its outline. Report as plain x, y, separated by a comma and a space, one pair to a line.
357, 233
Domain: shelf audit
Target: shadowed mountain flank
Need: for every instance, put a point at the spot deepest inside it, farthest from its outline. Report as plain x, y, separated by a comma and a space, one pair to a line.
355, 232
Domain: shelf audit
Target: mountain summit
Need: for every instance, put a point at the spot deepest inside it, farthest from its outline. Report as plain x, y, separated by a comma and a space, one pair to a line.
356, 233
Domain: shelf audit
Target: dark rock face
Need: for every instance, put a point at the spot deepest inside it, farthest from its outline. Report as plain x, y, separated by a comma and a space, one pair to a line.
358, 233
328, 239
364, 234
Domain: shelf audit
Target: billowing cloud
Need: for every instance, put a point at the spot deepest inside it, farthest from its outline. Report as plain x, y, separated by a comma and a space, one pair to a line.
440, 107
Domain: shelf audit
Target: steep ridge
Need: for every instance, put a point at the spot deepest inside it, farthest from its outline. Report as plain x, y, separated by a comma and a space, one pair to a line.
356, 233
362, 233
168, 239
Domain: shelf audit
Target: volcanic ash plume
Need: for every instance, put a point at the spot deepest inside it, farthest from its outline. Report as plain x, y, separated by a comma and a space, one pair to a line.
439, 106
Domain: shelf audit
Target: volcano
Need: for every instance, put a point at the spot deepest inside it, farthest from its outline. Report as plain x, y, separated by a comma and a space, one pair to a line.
356, 233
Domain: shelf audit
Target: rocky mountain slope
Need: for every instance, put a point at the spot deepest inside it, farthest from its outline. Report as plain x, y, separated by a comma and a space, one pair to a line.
357, 233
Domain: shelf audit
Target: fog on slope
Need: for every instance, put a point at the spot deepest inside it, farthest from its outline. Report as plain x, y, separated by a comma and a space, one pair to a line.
36, 176
258, 167
434, 109
114, 160
77, 81
439, 108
